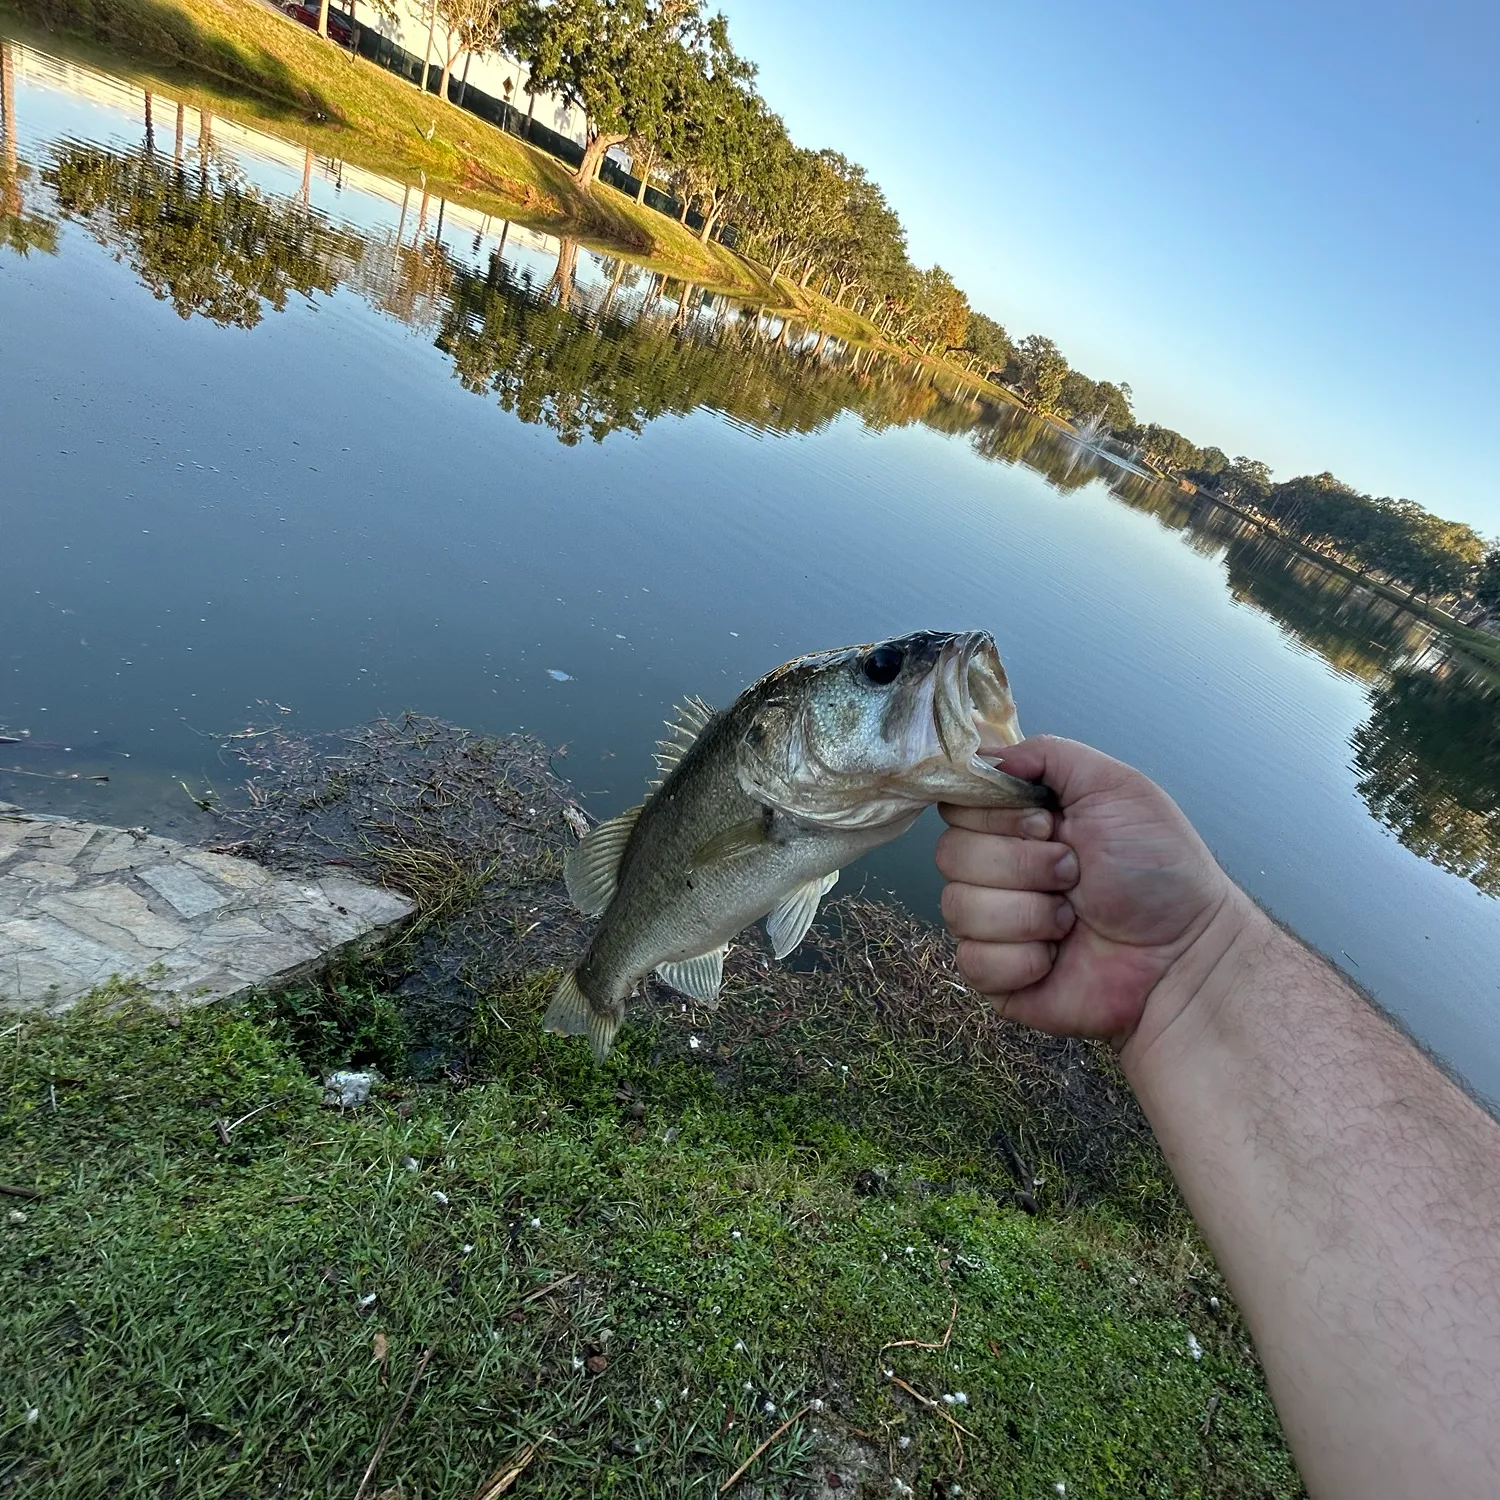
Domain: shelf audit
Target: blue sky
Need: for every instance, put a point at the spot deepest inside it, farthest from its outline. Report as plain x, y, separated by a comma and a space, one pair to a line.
1279, 222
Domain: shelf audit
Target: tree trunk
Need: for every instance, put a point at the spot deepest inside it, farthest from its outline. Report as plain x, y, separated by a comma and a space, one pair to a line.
530, 107
323, 19
588, 168
640, 192
682, 211
427, 55
353, 28
710, 222
447, 76
463, 83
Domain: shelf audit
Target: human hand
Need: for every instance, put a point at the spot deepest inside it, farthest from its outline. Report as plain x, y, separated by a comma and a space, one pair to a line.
1070, 922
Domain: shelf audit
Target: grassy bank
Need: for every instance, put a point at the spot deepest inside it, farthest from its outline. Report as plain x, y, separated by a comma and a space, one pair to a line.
282, 76
628, 1268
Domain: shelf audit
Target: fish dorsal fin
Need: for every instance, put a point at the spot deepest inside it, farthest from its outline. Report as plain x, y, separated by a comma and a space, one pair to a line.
699, 977
692, 717
591, 869
789, 920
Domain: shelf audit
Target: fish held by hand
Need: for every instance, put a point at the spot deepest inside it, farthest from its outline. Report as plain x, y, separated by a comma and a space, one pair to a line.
759, 806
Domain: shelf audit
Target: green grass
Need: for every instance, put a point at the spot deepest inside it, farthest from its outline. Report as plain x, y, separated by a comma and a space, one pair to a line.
189, 1317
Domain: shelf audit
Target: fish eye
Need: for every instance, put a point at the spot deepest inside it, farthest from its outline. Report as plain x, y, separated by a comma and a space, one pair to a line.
883, 665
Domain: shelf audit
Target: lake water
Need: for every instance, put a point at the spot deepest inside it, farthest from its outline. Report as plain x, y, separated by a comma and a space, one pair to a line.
284, 441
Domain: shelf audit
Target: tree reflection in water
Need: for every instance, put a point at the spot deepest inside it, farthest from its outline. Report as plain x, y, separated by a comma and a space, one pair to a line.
589, 358
1428, 759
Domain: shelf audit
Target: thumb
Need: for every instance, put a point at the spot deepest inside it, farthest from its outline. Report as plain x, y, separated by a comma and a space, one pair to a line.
1073, 770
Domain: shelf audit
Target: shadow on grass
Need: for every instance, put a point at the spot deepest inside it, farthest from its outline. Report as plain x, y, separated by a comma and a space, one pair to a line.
164, 33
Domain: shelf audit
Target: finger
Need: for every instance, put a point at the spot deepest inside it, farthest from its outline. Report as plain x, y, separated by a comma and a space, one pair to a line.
1006, 864
1003, 968
1012, 822
975, 911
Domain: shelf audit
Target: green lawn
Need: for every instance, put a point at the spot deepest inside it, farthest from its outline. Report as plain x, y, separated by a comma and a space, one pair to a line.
643, 1270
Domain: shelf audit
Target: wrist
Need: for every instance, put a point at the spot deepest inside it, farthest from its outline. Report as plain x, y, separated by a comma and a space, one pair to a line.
1191, 1003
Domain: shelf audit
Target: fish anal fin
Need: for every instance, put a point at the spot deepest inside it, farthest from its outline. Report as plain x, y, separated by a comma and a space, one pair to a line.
733, 842
591, 869
572, 1014
698, 977
791, 917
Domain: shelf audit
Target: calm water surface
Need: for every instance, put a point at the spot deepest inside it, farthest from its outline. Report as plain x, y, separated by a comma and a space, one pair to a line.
280, 440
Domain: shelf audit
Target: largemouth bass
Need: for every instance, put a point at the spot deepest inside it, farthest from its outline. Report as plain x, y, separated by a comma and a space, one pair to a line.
759, 806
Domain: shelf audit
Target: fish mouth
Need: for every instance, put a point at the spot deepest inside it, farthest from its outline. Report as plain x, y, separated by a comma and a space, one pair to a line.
975, 719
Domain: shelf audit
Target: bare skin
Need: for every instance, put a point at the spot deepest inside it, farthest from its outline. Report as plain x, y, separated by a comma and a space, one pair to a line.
1350, 1192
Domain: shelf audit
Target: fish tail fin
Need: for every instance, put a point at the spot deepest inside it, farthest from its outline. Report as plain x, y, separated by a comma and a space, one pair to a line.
572, 1013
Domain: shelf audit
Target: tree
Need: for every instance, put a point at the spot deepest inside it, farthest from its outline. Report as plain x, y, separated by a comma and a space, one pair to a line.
1100, 401
989, 343
472, 26
615, 59
1041, 373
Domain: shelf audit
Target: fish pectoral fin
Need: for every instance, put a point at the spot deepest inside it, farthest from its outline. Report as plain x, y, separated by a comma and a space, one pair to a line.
591, 869
792, 916
572, 1014
699, 977
733, 843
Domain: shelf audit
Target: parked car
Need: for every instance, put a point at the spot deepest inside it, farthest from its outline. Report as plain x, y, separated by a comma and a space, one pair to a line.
340, 28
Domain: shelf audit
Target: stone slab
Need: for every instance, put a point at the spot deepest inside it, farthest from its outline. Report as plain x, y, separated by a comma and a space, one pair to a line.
81, 903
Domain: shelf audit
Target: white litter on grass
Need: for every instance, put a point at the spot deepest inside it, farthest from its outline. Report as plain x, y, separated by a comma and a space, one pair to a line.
815, 1404
739, 1346
769, 1407
348, 1089
956, 1398
536, 1223
15, 1216
1060, 1487
734, 1234
1194, 1347
440, 1198
467, 1249
694, 1043
903, 1442
409, 1162
32, 1414
368, 1300
577, 1361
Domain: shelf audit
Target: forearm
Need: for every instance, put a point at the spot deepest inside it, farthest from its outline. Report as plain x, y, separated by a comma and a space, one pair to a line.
1352, 1196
